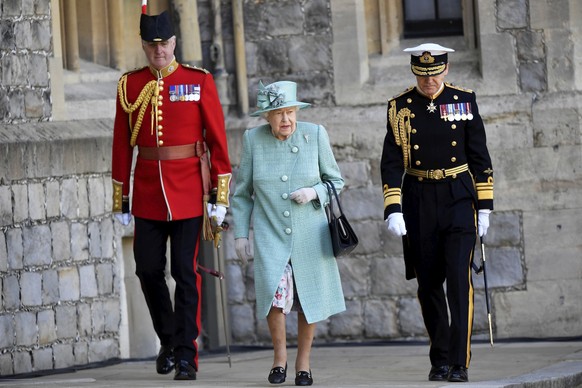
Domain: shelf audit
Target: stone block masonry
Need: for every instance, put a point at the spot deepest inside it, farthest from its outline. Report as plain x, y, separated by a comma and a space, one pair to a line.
59, 305
25, 48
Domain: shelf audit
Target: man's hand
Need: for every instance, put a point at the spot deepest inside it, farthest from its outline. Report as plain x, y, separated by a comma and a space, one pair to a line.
216, 213
395, 224
124, 218
243, 249
304, 195
483, 222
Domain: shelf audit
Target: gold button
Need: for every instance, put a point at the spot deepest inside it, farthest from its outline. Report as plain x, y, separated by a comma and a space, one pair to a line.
160, 103
454, 176
160, 97
161, 82
416, 146
420, 179
160, 118
453, 159
161, 88
160, 142
417, 162
412, 115
455, 97
454, 126
454, 143
413, 130
409, 100
160, 133
160, 127
160, 112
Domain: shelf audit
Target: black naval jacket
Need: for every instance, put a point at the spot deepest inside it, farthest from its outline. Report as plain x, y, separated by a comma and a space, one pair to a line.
439, 139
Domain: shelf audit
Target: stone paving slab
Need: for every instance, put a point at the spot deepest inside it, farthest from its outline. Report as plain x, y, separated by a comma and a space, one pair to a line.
553, 364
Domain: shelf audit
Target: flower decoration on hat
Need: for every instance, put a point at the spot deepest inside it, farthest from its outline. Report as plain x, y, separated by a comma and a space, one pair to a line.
281, 94
269, 97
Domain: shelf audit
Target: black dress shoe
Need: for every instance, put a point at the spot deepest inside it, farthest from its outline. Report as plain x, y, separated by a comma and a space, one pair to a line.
277, 375
438, 373
165, 360
458, 374
184, 371
303, 378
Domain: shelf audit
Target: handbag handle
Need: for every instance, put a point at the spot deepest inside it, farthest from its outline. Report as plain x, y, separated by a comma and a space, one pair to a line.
333, 193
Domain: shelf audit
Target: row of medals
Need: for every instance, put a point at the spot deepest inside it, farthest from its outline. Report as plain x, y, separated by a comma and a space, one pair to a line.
453, 112
184, 93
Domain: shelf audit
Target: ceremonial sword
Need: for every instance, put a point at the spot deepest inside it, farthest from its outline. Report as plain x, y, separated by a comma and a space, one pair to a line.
217, 243
483, 270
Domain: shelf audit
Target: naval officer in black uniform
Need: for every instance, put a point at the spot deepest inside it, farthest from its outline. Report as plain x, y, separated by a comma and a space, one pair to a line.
437, 181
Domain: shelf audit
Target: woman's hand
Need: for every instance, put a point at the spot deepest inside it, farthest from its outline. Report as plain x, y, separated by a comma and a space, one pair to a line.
243, 249
304, 195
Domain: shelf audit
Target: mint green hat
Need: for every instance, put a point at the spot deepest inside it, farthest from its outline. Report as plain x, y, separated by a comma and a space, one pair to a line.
277, 95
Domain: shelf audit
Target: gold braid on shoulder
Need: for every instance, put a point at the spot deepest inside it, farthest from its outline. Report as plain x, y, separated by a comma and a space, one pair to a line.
142, 101
400, 123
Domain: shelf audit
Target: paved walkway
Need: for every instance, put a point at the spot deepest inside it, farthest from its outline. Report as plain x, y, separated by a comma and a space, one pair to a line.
524, 364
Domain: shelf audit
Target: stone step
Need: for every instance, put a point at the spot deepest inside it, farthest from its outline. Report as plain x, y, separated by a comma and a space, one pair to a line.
91, 72
90, 93
90, 109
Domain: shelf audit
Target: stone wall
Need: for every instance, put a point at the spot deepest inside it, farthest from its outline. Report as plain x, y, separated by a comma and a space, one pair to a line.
24, 51
60, 301
288, 39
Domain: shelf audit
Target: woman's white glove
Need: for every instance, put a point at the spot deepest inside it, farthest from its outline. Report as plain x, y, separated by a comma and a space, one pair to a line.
304, 195
243, 249
395, 224
124, 218
216, 213
483, 222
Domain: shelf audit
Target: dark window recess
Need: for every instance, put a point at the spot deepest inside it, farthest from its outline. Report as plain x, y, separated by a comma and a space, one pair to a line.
429, 18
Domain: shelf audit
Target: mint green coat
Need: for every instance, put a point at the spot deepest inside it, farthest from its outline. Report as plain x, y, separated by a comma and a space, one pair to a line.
271, 169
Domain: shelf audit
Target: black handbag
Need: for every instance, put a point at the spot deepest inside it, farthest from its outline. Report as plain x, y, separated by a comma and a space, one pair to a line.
343, 237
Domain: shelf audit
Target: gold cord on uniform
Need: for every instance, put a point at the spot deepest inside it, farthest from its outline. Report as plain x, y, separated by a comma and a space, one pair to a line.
400, 123
142, 101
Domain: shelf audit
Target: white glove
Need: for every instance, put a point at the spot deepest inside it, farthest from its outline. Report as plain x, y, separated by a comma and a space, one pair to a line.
483, 222
216, 213
124, 218
304, 195
243, 249
395, 224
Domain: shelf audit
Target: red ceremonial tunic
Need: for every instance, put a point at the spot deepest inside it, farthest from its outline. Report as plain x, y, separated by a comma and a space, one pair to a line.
188, 110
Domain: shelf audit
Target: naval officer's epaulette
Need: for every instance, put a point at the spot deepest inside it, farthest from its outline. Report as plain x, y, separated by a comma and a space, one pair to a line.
187, 66
402, 93
458, 88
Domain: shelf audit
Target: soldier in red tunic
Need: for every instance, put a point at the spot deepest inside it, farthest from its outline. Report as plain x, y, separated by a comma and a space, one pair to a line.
163, 111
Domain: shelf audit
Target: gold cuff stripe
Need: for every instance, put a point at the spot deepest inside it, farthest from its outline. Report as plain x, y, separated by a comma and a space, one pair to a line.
484, 191
391, 196
222, 193
117, 196
391, 200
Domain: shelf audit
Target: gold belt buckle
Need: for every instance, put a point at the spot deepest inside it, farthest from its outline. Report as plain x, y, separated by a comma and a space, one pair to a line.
436, 174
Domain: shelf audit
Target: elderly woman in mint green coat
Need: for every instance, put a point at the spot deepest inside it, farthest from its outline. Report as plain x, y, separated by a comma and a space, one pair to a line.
279, 187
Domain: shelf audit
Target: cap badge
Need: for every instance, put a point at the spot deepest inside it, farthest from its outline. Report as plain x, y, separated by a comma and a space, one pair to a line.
426, 58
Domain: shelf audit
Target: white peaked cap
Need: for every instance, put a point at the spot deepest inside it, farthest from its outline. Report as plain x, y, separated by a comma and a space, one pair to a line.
433, 48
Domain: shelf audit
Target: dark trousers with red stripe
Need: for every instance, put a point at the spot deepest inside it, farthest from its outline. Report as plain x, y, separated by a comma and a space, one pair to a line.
177, 326
441, 223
